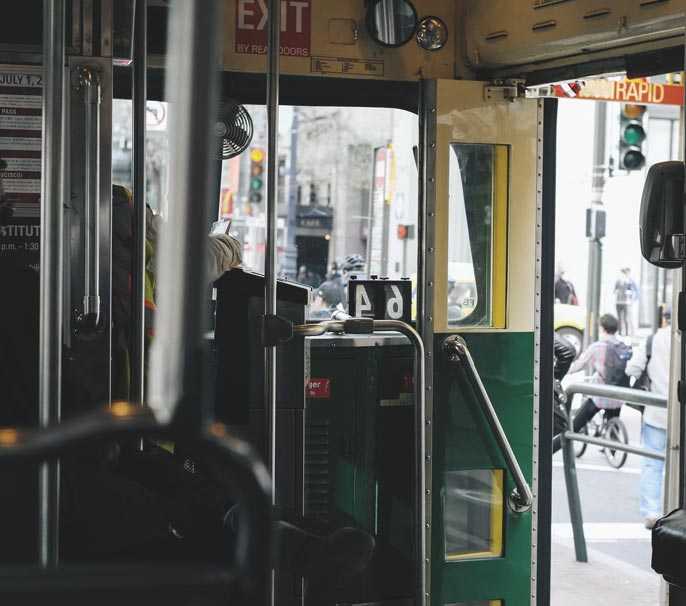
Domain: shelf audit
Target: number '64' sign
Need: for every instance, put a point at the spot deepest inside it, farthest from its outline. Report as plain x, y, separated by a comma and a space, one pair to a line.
380, 299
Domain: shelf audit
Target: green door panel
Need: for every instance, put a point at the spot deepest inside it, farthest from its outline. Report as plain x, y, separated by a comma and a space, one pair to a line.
462, 441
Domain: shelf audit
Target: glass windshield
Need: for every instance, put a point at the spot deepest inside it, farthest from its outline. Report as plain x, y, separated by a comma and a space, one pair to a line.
347, 193
347, 190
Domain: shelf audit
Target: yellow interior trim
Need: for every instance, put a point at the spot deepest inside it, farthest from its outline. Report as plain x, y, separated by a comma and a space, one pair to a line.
501, 179
497, 513
496, 540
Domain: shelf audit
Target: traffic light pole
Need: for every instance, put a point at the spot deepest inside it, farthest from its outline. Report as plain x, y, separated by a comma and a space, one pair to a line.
595, 226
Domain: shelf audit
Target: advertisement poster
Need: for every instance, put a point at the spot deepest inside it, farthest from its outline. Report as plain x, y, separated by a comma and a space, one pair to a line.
20, 164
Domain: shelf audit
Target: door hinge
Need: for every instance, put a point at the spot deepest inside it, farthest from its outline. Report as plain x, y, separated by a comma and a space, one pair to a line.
504, 90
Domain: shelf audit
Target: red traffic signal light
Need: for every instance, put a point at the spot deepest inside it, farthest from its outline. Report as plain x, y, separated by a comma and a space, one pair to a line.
405, 232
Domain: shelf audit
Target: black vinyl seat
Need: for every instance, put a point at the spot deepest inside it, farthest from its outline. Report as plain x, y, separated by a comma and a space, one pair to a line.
181, 585
669, 547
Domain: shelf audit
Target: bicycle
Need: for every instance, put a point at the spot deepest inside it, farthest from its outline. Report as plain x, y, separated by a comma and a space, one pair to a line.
612, 429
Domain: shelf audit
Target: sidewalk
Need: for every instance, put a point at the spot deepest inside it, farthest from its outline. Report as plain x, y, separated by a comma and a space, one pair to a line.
618, 572
603, 581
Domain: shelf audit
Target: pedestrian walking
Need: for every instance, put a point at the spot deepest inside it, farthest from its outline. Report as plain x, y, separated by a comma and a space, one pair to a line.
564, 290
650, 366
626, 292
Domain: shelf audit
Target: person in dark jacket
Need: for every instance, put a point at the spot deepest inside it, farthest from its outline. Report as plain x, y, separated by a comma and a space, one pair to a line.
564, 290
564, 354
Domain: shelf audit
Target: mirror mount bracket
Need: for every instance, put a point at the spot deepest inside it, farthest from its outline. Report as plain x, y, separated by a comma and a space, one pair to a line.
504, 90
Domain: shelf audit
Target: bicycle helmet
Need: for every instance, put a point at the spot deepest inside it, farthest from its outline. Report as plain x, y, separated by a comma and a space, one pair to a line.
353, 263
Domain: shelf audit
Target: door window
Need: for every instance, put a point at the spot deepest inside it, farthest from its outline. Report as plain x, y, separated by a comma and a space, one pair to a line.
473, 514
477, 234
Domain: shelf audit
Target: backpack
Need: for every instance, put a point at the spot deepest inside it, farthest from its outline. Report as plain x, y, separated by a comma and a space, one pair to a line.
643, 382
617, 355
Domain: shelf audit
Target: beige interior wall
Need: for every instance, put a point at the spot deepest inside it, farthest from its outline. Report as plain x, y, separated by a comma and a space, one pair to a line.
332, 21
464, 116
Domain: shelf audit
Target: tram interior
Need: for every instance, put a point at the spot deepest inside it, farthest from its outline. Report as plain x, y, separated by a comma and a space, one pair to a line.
344, 429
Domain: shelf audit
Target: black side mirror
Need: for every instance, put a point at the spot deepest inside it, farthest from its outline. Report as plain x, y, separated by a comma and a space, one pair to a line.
662, 228
391, 22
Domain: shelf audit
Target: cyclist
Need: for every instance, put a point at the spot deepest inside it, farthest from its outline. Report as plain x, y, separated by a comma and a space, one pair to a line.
606, 359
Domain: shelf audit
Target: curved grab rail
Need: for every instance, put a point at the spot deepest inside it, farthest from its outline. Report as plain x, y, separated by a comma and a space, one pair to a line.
521, 499
249, 477
625, 394
88, 79
342, 322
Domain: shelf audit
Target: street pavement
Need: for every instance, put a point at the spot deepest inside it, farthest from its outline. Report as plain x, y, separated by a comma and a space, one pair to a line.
618, 571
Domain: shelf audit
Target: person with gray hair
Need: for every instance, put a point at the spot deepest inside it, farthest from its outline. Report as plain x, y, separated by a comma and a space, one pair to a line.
224, 254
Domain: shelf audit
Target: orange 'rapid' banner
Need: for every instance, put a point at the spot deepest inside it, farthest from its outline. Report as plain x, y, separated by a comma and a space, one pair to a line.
640, 91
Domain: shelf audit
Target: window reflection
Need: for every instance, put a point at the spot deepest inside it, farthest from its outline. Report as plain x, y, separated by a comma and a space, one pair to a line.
473, 514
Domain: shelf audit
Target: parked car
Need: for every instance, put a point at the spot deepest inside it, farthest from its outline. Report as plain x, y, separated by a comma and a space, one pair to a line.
570, 322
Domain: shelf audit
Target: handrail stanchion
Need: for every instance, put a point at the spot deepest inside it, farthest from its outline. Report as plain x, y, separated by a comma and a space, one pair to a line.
89, 82
521, 499
178, 385
568, 437
139, 90
51, 249
273, 56
572, 486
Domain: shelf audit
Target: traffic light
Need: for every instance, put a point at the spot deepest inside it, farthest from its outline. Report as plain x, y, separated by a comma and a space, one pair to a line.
631, 137
405, 232
256, 175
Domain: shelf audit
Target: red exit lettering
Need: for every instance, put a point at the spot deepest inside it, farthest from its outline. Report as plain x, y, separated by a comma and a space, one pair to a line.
251, 24
252, 15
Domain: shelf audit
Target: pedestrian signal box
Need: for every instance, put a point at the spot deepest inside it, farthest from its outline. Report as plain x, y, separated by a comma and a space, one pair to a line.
632, 135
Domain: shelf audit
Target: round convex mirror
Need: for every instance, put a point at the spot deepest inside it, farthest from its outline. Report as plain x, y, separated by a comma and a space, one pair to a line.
391, 22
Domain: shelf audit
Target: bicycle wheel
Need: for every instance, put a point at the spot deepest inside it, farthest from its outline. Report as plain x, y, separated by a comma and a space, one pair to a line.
615, 430
580, 447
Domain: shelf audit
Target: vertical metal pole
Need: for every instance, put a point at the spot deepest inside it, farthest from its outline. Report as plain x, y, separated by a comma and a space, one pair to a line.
90, 80
270, 255
51, 250
573, 497
681, 389
681, 315
676, 595
178, 363
426, 213
273, 49
139, 98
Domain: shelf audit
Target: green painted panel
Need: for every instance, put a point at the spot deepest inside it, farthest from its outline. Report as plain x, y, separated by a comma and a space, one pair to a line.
462, 440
